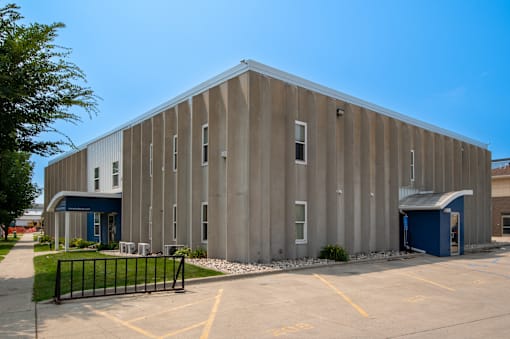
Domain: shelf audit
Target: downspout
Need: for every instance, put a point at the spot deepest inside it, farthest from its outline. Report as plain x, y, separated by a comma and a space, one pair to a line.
406, 243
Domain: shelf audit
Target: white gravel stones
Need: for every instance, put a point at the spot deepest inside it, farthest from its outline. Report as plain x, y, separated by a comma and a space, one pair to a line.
230, 267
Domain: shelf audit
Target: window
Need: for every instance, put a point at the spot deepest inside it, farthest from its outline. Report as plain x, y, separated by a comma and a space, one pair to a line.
205, 144
505, 222
412, 165
204, 222
150, 159
300, 142
175, 222
115, 174
175, 153
97, 224
300, 221
96, 179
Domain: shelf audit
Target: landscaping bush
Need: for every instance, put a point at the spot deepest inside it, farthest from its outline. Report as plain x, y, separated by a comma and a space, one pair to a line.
334, 252
44, 238
110, 246
199, 253
185, 251
80, 243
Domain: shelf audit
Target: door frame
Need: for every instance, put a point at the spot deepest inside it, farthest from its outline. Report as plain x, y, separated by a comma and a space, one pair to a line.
458, 233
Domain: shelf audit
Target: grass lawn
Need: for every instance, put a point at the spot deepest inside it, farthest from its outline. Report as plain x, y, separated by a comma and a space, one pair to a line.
42, 247
5, 246
46, 268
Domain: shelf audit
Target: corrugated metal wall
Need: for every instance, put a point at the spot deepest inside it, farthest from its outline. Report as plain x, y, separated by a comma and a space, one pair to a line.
102, 154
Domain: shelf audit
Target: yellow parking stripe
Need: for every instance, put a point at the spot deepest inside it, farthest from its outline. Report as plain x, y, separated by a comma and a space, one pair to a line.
182, 330
168, 310
428, 281
346, 298
212, 315
128, 325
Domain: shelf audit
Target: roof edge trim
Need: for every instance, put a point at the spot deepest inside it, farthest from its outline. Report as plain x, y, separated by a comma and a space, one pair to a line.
445, 203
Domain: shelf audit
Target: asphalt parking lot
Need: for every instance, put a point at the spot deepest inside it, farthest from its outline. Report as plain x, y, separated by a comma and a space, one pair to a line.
422, 297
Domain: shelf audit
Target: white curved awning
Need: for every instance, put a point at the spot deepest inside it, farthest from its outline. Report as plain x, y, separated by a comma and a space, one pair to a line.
57, 198
431, 201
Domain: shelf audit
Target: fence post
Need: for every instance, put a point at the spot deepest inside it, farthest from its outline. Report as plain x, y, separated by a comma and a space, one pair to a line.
56, 297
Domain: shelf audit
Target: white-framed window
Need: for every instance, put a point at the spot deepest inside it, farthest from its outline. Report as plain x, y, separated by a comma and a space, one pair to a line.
97, 224
205, 222
205, 144
300, 140
115, 174
505, 223
150, 160
300, 221
96, 179
174, 152
412, 165
174, 222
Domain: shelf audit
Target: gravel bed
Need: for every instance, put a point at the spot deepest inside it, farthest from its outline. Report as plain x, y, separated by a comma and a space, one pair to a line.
230, 267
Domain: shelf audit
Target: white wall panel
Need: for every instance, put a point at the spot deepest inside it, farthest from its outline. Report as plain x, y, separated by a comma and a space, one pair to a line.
102, 153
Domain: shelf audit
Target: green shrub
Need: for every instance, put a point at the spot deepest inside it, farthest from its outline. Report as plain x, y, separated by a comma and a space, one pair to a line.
44, 238
185, 251
110, 246
334, 252
199, 253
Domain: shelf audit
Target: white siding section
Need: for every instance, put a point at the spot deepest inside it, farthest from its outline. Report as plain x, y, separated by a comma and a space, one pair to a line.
102, 153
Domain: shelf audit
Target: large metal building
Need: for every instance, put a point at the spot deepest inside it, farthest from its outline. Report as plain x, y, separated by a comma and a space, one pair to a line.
257, 164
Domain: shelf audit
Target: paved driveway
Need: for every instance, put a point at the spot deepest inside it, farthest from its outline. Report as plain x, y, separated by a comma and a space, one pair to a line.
425, 297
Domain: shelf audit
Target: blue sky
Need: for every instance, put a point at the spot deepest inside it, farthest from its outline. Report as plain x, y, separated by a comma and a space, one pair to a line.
443, 62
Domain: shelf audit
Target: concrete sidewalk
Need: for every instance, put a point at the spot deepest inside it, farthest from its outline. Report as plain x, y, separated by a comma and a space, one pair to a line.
17, 311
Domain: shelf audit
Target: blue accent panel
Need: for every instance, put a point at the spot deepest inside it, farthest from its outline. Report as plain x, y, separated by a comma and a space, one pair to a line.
430, 230
83, 204
424, 231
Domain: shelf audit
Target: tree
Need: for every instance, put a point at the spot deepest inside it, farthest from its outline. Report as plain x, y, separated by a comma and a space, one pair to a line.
38, 85
17, 192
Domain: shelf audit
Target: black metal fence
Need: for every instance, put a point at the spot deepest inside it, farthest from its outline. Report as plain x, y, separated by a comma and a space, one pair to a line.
85, 278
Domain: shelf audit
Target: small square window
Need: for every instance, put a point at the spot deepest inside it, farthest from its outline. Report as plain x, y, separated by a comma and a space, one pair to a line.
205, 144
175, 153
97, 224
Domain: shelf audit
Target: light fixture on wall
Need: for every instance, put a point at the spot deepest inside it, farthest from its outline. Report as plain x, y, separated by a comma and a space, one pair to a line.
339, 111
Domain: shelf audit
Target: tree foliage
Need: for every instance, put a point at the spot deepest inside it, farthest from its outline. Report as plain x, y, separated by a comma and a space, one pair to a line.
38, 85
17, 192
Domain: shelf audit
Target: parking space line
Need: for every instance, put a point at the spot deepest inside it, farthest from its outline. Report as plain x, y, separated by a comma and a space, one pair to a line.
168, 310
427, 281
340, 293
185, 329
212, 316
122, 322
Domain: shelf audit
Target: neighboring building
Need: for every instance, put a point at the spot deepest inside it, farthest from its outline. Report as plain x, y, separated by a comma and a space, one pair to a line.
501, 197
32, 217
257, 164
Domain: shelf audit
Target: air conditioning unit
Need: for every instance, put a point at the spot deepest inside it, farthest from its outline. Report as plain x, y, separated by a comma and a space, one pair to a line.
170, 249
130, 247
122, 247
144, 248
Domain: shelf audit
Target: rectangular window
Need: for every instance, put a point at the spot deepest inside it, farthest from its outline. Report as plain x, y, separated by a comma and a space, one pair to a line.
97, 224
505, 222
175, 153
412, 165
204, 222
300, 139
115, 174
300, 220
175, 222
96, 179
205, 144
150, 159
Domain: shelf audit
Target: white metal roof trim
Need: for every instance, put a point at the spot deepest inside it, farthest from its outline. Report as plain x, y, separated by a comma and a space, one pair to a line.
247, 65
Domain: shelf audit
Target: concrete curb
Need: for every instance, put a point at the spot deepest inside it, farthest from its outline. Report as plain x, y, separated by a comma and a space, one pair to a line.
486, 247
